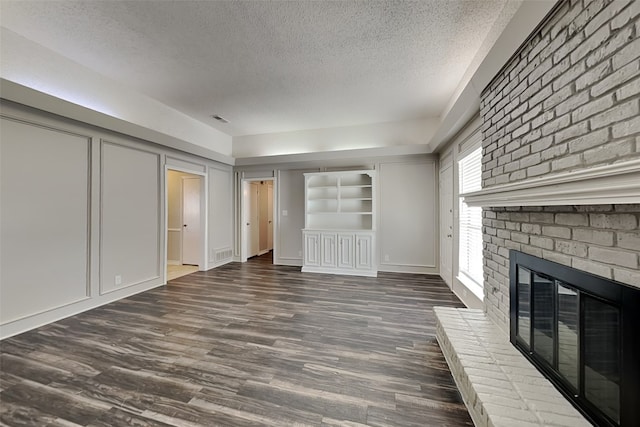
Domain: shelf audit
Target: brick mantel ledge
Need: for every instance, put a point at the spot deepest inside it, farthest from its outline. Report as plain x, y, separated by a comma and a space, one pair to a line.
498, 385
617, 183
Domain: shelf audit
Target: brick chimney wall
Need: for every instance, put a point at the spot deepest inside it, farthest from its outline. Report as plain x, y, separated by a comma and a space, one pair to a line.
568, 100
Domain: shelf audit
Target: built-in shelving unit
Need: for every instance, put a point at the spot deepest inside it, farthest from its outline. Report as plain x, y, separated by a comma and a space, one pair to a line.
339, 233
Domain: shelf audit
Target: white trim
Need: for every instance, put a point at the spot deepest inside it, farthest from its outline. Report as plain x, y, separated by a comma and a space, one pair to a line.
400, 264
33, 321
44, 311
616, 183
129, 285
340, 271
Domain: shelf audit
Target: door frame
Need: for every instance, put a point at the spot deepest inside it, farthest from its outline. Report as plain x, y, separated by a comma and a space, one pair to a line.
204, 212
244, 207
444, 234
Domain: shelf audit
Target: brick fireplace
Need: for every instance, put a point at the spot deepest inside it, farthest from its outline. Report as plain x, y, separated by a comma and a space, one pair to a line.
569, 100
561, 182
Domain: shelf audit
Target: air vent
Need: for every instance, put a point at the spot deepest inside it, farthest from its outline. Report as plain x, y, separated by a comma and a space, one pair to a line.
224, 254
219, 118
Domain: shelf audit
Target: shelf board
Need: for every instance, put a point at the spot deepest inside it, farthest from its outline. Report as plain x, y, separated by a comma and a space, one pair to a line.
356, 198
356, 186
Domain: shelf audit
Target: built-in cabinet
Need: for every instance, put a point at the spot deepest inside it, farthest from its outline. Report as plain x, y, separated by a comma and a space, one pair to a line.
339, 233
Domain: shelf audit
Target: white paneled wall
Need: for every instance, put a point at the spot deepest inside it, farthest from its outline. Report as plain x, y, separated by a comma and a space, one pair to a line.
82, 216
130, 225
44, 219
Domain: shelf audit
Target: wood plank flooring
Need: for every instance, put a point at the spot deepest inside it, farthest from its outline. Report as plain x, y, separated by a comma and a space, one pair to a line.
242, 345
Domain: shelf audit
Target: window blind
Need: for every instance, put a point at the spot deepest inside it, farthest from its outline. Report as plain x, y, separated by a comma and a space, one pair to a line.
470, 179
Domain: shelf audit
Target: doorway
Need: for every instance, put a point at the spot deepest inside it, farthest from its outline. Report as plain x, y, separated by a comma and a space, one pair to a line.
257, 217
185, 223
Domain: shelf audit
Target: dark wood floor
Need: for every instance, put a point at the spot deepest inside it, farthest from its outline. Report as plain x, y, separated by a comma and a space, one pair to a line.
242, 345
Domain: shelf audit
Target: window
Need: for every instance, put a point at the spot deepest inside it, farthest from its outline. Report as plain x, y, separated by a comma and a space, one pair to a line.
470, 259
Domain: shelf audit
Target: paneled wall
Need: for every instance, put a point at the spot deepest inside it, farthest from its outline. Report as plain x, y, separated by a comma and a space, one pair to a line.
131, 216
82, 216
45, 201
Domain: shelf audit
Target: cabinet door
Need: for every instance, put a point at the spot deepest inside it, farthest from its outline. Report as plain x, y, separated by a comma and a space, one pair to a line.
364, 252
345, 251
312, 249
328, 250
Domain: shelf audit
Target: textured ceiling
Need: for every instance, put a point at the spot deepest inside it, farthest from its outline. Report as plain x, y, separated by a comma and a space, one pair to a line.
271, 66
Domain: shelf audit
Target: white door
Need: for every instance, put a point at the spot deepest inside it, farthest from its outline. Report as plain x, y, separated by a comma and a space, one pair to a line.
191, 233
253, 226
270, 215
446, 225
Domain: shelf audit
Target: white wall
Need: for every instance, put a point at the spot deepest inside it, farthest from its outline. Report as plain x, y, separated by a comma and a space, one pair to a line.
407, 200
82, 216
407, 230
391, 134
290, 214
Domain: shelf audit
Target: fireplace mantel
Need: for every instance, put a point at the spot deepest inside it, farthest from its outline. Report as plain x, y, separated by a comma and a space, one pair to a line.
618, 183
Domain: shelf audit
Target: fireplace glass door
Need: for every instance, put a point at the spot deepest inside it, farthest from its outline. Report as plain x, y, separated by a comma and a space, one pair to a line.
572, 326
568, 324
